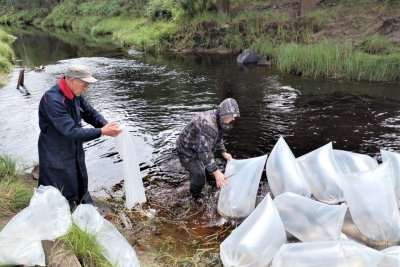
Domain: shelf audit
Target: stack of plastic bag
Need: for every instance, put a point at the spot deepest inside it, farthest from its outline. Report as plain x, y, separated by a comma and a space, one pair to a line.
117, 250
256, 240
326, 254
238, 198
372, 203
133, 184
310, 220
47, 217
393, 159
283, 172
320, 169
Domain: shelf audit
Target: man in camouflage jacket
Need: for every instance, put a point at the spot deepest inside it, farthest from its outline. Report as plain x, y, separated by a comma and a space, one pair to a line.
203, 137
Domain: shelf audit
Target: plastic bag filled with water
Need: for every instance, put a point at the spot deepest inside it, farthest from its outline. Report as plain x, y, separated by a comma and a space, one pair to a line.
349, 162
320, 169
283, 172
255, 242
372, 203
391, 257
47, 217
393, 159
133, 184
117, 250
343, 253
238, 198
310, 220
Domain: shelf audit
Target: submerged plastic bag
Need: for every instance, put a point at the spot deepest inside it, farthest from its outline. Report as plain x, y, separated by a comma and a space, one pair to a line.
343, 253
255, 242
117, 250
133, 183
310, 220
47, 217
238, 198
320, 169
283, 172
372, 203
393, 159
349, 162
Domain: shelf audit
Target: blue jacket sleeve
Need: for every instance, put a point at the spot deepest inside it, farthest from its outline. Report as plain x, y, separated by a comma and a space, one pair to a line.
90, 115
63, 122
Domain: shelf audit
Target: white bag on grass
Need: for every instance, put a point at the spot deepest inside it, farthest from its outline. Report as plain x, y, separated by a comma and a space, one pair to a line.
349, 162
133, 184
320, 169
117, 250
393, 159
283, 173
372, 203
310, 220
238, 198
47, 217
256, 240
343, 253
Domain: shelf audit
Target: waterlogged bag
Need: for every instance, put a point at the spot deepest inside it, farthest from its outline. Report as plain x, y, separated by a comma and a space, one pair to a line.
343, 253
238, 198
133, 183
47, 217
372, 203
320, 169
117, 250
391, 258
283, 173
310, 220
349, 162
255, 242
393, 159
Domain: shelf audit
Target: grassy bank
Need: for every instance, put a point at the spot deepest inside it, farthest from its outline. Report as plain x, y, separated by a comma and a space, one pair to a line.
6, 56
336, 40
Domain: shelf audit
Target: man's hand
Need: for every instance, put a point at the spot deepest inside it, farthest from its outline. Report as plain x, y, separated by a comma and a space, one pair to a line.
111, 129
227, 156
220, 179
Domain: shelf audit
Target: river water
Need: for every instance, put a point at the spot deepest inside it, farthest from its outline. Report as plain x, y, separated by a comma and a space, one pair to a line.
156, 96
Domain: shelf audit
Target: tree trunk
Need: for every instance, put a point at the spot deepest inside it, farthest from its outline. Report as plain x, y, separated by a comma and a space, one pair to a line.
223, 6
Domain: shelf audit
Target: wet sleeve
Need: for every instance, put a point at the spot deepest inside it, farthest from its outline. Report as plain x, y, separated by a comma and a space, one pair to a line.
57, 114
90, 115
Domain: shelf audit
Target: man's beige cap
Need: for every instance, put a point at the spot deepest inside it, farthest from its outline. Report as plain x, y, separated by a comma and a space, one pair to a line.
80, 72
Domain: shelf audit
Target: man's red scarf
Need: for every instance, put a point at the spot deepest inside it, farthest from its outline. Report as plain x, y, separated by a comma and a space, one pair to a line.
65, 89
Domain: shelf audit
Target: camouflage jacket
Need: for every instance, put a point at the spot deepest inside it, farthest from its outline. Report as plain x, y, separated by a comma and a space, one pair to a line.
201, 138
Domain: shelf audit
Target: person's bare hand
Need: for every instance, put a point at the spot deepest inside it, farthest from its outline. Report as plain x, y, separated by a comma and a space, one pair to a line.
111, 129
227, 156
220, 179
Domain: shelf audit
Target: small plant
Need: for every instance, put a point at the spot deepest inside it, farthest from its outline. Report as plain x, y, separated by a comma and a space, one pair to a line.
377, 44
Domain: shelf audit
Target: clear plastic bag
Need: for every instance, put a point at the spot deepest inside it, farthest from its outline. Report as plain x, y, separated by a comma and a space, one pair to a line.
283, 172
391, 258
393, 159
372, 203
320, 169
255, 242
341, 253
238, 198
117, 250
47, 217
133, 184
349, 162
310, 220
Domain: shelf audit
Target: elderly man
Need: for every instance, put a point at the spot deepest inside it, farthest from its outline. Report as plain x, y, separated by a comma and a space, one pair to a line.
61, 154
200, 139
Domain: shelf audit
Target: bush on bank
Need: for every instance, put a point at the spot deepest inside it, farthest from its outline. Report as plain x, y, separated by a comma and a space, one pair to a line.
292, 45
6, 56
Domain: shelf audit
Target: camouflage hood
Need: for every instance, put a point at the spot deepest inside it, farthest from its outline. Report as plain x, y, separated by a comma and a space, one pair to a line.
227, 108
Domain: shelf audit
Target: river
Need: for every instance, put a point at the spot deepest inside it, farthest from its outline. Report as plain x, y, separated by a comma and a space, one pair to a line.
155, 96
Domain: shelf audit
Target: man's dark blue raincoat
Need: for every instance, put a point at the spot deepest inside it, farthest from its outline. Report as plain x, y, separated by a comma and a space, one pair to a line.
61, 154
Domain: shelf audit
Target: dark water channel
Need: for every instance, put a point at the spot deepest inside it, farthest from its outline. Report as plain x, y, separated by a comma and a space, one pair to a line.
155, 96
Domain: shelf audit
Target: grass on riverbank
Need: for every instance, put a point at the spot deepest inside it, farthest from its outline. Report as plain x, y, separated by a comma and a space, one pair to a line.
293, 43
6, 56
